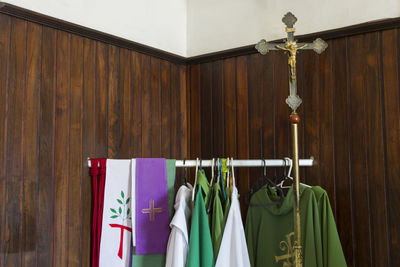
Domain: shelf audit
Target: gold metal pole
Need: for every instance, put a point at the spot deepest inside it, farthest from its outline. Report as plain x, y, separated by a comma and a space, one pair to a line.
298, 256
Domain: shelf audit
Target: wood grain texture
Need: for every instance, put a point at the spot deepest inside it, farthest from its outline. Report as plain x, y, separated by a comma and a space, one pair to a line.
15, 141
350, 125
5, 29
67, 98
31, 144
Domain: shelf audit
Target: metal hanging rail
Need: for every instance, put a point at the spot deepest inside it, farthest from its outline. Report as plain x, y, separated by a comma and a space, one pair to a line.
243, 163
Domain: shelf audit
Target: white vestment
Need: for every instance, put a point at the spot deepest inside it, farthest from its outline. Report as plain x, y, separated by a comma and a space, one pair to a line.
233, 251
117, 215
178, 242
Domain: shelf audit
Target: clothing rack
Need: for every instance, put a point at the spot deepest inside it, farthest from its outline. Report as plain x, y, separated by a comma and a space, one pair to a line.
243, 163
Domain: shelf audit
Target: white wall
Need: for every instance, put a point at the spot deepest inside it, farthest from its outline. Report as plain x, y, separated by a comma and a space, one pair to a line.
194, 27
157, 23
224, 24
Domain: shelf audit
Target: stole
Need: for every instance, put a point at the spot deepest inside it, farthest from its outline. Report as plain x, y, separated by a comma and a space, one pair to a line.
117, 215
152, 212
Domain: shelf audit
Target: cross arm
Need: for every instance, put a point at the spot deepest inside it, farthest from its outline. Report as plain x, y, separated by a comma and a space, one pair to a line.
264, 47
318, 45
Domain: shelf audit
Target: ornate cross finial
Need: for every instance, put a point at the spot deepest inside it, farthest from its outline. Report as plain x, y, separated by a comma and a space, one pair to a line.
291, 47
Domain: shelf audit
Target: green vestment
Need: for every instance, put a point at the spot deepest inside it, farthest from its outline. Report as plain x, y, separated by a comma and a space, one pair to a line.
270, 229
200, 252
217, 220
332, 252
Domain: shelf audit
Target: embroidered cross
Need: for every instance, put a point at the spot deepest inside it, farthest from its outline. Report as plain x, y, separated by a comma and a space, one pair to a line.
286, 245
151, 210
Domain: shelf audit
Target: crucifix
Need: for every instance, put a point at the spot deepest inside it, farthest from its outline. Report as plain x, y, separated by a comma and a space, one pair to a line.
293, 100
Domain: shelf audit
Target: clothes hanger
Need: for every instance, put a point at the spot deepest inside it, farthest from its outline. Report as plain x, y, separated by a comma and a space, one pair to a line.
222, 181
288, 176
195, 180
256, 185
209, 204
184, 173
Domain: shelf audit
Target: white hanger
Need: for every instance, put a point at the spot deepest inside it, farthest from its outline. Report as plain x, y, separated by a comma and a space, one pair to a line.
195, 179
290, 161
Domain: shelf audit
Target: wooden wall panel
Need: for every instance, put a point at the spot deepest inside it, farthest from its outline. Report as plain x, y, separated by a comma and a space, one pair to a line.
65, 98
350, 125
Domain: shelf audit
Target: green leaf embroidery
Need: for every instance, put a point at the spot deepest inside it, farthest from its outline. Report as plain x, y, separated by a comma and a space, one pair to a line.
113, 210
120, 210
122, 194
114, 216
127, 201
119, 201
129, 210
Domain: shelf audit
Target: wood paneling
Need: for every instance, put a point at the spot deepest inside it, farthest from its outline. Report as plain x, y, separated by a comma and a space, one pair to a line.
65, 98
350, 125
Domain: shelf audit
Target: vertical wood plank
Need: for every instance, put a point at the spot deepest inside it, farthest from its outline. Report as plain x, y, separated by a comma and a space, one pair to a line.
15, 141
375, 152
344, 220
326, 138
113, 103
5, 29
174, 112
101, 97
62, 156
75, 209
125, 100
230, 107
206, 119
255, 74
45, 231
311, 117
146, 108
166, 108
31, 143
195, 123
268, 106
242, 125
182, 115
88, 143
391, 108
359, 174
136, 129
218, 103
155, 108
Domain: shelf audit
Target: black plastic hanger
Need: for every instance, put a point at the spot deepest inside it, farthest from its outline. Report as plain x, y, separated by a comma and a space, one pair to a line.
260, 182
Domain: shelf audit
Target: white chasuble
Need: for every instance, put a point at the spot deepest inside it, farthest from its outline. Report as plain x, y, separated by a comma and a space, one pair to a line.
117, 215
233, 251
178, 242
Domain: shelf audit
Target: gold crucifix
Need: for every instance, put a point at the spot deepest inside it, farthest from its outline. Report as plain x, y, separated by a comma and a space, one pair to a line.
152, 210
292, 47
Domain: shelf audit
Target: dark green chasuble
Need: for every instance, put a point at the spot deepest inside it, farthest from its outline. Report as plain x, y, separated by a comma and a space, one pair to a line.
332, 252
270, 229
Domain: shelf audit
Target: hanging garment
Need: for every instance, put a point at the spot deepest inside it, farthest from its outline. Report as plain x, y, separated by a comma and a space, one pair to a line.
117, 225
99, 176
178, 242
233, 251
217, 220
270, 229
332, 252
152, 212
158, 260
200, 246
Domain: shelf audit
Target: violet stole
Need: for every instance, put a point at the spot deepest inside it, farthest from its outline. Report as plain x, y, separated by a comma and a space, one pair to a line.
152, 215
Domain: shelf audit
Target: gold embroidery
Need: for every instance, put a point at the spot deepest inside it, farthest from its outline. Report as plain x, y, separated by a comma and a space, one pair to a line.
286, 246
151, 210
